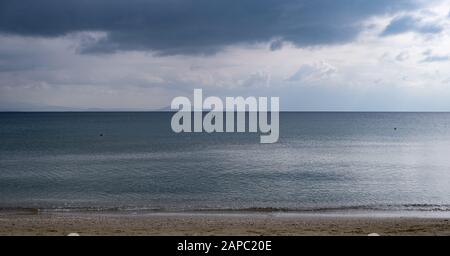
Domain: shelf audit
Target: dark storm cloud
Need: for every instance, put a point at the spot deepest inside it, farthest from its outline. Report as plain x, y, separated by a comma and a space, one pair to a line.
407, 23
194, 26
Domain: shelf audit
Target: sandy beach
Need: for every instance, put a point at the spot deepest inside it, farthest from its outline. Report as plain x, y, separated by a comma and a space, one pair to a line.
31, 223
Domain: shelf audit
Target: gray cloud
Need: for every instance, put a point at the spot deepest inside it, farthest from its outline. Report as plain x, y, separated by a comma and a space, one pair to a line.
408, 23
436, 58
197, 26
402, 56
430, 57
276, 45
311, 73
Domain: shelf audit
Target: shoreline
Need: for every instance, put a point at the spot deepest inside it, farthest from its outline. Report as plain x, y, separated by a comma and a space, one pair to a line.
263, 223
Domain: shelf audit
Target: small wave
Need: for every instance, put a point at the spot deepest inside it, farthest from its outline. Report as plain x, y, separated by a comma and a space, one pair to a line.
354, 208
387, 207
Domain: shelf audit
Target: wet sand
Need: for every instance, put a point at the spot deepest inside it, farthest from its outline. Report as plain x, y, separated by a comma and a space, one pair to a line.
32, 223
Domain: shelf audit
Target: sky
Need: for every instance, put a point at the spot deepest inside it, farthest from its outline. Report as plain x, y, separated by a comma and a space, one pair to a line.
316, 55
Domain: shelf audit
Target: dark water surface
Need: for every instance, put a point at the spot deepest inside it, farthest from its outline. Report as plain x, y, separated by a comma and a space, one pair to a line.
323, 161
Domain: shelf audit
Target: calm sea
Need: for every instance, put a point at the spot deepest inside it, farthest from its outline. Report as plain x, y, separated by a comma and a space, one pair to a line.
133, 161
